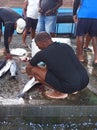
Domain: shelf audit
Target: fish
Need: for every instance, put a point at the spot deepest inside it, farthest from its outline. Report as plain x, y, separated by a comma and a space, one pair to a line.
18, 52
2, 63
6, 67
28, 86
13, 69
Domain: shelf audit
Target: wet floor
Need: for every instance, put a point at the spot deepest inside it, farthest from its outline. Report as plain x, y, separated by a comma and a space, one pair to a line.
37, 112
9, 89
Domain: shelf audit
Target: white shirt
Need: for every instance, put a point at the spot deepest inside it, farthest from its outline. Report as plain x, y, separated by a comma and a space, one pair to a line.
32, 9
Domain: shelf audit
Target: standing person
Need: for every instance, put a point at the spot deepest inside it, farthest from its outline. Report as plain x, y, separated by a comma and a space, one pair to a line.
30, 13
63, 73
87, 24
12, 21
87, 37
48, 16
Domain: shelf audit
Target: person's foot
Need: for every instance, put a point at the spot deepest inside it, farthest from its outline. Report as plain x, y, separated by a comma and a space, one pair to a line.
4, 52
24, 46
81, 58
86, 49
55, 94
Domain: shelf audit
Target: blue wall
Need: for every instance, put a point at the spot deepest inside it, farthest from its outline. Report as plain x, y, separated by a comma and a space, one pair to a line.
61, 28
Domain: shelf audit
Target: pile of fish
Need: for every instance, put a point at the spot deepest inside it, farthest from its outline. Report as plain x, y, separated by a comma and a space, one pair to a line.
8, 65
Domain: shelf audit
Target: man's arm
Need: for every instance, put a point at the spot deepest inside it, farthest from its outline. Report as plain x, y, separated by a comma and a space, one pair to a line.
25, 4
6, 38
40, 10
59, 3
8, 32
76, 5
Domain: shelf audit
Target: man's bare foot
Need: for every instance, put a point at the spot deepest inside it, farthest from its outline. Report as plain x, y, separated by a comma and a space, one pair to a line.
24, 46
55, 94
81, 59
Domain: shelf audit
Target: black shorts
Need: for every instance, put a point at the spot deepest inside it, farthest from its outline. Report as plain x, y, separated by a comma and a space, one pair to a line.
63, 87
31, 23
86, 25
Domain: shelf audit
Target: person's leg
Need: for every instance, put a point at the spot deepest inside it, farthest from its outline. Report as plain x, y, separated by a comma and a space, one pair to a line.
93, 34
33, 27
80, 43
27, 28
40, 24
24, 37
94, 43
81, 31
40, 75
50, 25
86, 44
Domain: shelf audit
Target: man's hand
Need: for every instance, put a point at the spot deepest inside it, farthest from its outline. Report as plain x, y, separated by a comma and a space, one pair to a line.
49, 12
75, 18
40, 10
8, 56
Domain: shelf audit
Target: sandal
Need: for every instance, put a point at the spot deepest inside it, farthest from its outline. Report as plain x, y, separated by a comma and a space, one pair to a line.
52, 95
86, 49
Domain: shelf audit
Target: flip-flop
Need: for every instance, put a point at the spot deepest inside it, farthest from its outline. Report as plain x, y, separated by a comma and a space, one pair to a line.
50, 95
86, 49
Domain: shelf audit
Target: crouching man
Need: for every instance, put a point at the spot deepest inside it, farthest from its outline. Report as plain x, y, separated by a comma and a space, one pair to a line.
63, 72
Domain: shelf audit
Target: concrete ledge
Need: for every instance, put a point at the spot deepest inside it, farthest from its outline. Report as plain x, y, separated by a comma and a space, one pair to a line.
48, 111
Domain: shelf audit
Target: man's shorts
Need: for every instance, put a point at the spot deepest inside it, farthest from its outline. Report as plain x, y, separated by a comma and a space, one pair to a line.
31, 23
86, 25
63, 86
46, 23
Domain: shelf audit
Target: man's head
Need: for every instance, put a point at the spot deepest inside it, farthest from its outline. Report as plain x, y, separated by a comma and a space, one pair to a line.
20, 25
43, 39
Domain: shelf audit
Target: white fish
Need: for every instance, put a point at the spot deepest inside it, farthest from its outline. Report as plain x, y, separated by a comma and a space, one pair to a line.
12, 101
6, 67
28, 86
13, 69
18, 52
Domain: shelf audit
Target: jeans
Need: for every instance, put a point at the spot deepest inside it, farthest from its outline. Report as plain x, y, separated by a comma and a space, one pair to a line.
46, 23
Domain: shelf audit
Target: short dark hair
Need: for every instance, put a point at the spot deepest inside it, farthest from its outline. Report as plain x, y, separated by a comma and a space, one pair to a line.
42, 36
